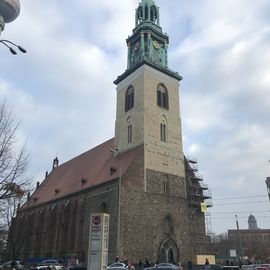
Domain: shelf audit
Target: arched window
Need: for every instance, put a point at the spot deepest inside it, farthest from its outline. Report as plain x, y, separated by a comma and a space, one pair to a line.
166, 185
153, 14
146, 12
129, 133
129, 130
163, 132
129, 104
167, 225
162, 97
140, 14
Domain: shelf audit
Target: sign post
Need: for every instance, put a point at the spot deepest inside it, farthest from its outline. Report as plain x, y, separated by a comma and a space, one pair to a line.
98, 242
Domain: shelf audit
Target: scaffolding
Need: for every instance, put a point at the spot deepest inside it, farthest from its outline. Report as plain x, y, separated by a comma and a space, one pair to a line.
198, 193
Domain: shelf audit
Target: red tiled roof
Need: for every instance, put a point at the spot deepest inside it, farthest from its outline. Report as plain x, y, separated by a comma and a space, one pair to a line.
94, 166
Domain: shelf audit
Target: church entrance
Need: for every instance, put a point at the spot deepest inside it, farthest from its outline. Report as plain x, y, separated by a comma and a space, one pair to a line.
168, 251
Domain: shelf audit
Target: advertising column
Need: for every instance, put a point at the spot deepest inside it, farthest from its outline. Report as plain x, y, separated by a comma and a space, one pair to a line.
98, 242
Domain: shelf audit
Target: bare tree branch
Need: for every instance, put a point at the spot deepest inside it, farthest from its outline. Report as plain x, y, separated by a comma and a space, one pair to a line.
13, 161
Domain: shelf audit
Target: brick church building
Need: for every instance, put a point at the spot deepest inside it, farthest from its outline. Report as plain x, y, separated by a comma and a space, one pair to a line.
141, 177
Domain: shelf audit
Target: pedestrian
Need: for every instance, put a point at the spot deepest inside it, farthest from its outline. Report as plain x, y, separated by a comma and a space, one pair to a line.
140, 264
14, 265
130, 266
126, 262
189, 264
206, 261
146, 263
180, 266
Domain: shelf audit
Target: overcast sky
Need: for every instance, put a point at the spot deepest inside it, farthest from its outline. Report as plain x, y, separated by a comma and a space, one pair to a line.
62, 90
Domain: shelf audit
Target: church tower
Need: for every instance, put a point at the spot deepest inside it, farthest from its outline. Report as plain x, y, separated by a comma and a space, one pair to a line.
148, 110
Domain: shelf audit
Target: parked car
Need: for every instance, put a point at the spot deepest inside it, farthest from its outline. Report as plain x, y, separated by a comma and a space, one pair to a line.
48, 267
231, 267
117, 266
167, 266
250, 266
212, 267
7, 265
50, 262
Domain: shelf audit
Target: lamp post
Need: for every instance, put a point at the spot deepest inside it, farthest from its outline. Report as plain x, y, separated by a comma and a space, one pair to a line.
239, 238
11, 49
268, 186
116, 153
9, 11
267, 181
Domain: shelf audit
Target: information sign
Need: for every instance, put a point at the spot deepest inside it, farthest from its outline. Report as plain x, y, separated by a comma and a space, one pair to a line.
98, 242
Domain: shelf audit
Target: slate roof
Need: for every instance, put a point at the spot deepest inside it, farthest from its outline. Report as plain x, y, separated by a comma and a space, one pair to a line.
95, 167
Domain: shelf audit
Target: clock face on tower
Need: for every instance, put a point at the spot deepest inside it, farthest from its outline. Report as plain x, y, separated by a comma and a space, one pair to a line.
156, 45
137, 46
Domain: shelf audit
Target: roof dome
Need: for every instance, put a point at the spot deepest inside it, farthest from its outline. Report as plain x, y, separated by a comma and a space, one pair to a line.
252, 222
9, 10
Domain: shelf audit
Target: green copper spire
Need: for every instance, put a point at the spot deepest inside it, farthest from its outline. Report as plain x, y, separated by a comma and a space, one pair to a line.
148, 42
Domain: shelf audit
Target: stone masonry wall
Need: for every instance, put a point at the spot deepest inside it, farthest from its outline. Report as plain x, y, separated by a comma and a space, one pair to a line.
142, 220
156, 180
61, 228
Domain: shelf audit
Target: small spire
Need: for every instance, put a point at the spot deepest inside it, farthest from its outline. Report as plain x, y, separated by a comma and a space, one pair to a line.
55, 163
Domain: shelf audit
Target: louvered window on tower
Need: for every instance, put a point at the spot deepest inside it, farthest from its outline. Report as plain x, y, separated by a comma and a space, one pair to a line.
129, 102
162, 97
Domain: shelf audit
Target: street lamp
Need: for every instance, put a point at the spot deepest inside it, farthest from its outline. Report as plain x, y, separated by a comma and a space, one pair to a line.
9, 11
116, 153
11, 49
239, 238
267, 181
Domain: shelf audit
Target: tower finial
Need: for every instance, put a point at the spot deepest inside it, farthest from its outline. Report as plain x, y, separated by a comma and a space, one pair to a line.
147, 12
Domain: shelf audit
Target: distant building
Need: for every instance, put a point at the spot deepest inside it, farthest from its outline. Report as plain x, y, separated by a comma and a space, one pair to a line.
255, 242
252, 223
140, 177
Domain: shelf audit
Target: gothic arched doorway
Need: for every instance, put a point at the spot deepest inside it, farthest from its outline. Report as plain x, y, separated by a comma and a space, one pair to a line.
168, 251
